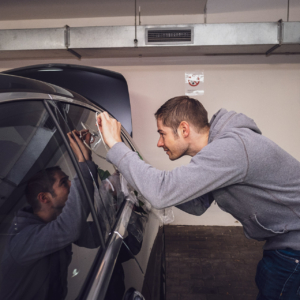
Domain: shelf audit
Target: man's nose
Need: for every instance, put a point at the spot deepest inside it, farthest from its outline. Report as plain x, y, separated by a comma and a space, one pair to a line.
160, 142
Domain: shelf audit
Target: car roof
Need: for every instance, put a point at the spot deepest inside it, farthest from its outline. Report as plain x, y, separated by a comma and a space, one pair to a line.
14, 85
14, 88
106, 89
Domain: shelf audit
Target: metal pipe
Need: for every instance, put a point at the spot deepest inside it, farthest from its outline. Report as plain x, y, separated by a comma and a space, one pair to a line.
135, 29
74, 53
288, 10
67, 43
279, 37
205, 13
140, 23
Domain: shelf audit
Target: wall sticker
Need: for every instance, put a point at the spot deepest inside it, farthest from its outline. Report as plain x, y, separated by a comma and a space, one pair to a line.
194, 83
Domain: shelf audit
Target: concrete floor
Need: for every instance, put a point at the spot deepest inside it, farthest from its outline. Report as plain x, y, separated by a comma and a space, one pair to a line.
210, 263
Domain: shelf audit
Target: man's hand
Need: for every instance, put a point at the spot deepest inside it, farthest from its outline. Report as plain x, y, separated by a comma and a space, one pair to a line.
81, 151
110, 129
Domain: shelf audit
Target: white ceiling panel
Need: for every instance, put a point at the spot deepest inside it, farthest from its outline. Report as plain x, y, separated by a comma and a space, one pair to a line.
63, 9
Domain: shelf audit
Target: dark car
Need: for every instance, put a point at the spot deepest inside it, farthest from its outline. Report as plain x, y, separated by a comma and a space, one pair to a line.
119, 253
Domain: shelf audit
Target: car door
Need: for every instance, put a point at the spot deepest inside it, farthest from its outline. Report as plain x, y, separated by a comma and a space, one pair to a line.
35, 252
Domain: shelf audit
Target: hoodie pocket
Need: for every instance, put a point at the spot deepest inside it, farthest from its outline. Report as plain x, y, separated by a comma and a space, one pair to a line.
255, 227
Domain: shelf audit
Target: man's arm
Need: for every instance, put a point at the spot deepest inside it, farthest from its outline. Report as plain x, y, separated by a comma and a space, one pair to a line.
219, 164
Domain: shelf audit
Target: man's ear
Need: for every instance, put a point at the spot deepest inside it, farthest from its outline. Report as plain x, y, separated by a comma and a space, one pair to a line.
184, 128
43, 197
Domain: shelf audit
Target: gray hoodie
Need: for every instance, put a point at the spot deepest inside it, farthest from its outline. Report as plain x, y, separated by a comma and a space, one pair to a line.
249, 176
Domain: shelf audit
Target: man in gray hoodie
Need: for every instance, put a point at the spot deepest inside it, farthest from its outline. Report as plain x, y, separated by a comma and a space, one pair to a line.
248, 176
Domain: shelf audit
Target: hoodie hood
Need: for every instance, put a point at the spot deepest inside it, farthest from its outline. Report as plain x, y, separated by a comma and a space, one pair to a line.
224, 121
25, 217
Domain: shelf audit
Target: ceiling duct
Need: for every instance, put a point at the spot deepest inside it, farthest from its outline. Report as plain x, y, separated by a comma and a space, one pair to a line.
274, 38
158, 36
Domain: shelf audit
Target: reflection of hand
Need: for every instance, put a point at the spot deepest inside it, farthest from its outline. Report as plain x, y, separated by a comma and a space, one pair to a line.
85, 135
81, 151
110, 128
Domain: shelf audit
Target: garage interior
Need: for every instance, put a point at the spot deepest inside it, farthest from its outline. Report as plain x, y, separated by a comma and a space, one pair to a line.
249, 53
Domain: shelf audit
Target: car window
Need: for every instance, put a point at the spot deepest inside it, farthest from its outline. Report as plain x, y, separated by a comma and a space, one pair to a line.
48, 240
108, 197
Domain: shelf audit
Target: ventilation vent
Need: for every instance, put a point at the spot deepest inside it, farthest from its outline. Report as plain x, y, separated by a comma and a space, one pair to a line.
156, 36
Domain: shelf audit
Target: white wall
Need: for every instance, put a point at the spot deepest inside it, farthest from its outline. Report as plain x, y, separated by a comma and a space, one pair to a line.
270, 94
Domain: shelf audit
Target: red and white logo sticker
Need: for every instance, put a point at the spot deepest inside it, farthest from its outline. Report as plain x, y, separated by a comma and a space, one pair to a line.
192, 83
193, 80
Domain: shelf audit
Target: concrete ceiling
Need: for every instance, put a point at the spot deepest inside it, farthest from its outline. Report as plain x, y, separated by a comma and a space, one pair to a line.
63, 9
215, 6
66, 9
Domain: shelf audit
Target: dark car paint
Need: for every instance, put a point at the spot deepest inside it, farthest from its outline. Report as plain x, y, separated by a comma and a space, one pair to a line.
104, 88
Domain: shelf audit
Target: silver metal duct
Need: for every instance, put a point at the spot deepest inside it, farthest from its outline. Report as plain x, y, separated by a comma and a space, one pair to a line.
118, 41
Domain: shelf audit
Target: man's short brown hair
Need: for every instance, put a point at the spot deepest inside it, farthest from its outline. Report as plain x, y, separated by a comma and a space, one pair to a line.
183, 108
41, 182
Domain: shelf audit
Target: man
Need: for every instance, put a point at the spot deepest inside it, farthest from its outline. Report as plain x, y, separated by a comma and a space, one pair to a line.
39, 251
248, 176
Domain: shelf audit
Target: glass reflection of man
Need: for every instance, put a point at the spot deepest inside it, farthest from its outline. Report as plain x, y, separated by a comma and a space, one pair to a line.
36, 259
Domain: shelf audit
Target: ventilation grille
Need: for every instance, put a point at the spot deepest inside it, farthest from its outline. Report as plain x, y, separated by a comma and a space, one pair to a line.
158, 36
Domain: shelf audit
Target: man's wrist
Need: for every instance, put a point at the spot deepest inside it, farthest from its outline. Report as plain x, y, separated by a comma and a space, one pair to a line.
112, 143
